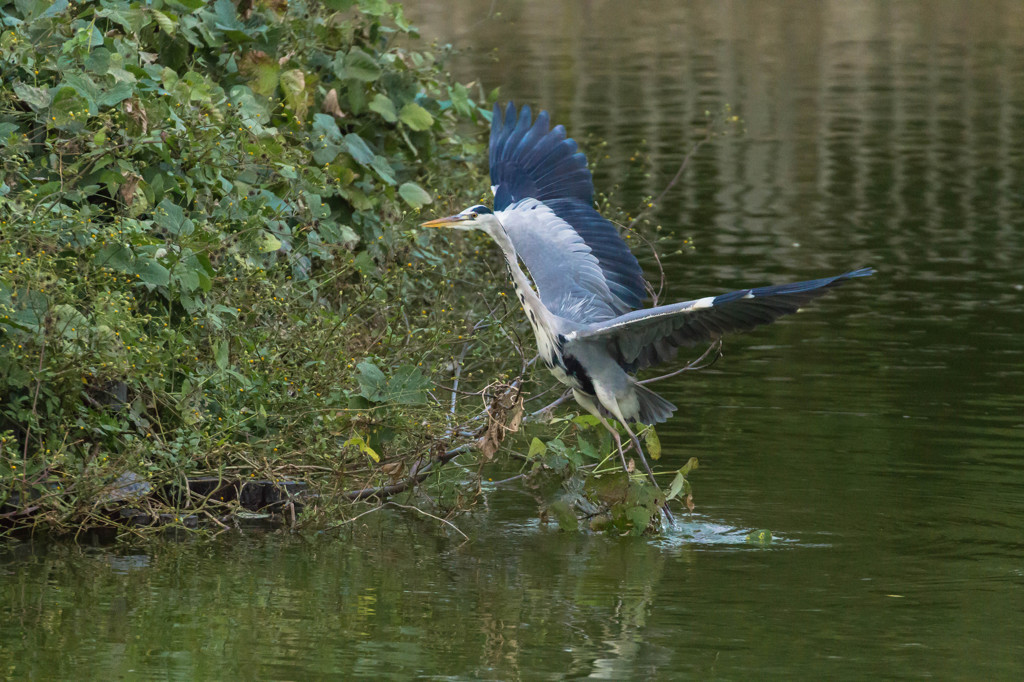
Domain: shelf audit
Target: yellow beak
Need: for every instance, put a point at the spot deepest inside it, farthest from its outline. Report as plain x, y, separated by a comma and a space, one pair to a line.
443, 222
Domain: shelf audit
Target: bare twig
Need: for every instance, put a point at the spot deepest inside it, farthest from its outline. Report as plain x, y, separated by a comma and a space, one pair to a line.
695, 365
458, 374
655, 295
35, 398
356, 518
509, 479
416, 475
217, 521
436, 518
675, 178
551, 405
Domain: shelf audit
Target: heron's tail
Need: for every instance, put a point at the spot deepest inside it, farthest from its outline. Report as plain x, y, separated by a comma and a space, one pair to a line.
653, 408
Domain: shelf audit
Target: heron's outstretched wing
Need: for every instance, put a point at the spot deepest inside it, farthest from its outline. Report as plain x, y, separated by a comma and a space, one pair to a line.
647, 337
568, 278
530, 160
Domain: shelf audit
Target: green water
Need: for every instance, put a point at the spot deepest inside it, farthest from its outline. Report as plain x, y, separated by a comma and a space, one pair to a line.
879, 435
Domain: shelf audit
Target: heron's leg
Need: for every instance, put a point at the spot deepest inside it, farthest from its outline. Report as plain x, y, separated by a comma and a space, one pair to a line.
592, 408
618, 441
636, 444
650, 474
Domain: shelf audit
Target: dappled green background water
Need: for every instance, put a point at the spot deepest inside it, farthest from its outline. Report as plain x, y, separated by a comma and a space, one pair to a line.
879, 435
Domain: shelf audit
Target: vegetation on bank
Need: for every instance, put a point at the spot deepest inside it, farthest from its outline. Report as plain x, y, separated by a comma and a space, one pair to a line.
211, 266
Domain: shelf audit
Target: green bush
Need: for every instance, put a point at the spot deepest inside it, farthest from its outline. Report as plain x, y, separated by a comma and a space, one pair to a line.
207, 258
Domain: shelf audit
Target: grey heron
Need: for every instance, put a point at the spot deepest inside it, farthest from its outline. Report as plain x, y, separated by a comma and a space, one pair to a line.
585, 287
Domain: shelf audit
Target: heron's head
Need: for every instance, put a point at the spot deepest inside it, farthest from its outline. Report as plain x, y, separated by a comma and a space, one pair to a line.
477, 217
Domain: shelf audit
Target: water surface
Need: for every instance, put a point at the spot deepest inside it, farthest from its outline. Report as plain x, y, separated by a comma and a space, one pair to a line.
878, 435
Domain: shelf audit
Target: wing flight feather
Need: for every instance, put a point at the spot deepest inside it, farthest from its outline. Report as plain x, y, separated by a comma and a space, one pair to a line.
648, 337
531, 160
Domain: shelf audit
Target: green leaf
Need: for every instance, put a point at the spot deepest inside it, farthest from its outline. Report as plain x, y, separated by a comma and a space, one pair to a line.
325, 125
46, 189
365, 265
325, 154
132, 19
220, 354
358, 149
360, 66
414, 195
171, 217
375, 7
37, 98
116, 256
459, 94
70, 323
332, 233
384, 169
587, 448
640, 518
676, 487
269, 243
69, 110
186, 277
690, 465
416, 117
363, 446
372, 382
54, 9
263, 72
168, 23
191, 5
116, 94
227, 16
383, 105
151, 272
562, 511
98, 61
586, 421
653, 443
293, 83
408, 386
537, 448
316, 205
204, 262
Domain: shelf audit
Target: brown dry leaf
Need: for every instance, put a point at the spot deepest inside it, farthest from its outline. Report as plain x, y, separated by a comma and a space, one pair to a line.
504, 415
128, 187
137, 113
689, 502
394, 470
630, 466
249, 59
517, 417
330, 105
492, 438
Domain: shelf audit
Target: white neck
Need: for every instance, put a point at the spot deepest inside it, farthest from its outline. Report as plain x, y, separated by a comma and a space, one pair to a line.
535, 310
